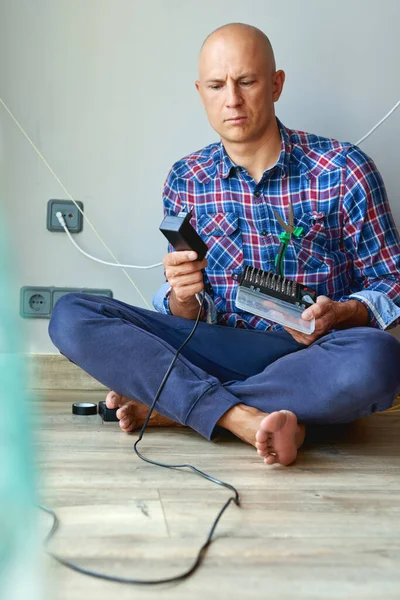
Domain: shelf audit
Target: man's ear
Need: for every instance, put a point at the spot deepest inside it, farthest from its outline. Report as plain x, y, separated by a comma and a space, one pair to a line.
197, 84
277, 84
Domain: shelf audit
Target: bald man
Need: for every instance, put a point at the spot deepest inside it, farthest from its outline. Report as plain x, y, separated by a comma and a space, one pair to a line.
240, 372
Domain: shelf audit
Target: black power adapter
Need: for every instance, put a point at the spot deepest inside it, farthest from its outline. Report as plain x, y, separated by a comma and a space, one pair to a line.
180, 233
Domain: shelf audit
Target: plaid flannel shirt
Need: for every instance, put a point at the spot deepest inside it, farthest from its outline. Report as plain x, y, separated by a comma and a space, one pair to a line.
350, 247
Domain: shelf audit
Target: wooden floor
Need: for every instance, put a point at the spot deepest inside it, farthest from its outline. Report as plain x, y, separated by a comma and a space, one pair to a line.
327, 527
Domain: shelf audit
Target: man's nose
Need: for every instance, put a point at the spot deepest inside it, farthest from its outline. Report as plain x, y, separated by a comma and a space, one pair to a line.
233, 96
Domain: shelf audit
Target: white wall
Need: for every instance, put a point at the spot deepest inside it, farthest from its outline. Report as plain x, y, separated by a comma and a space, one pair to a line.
106, 90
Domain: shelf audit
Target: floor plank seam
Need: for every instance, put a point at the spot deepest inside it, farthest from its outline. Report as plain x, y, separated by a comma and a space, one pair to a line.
163, 511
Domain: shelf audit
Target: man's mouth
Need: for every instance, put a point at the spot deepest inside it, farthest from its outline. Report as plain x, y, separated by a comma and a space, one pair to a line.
236, 119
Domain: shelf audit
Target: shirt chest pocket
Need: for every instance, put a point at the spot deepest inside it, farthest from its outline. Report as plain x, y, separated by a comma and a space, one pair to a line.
312, 247
221, 233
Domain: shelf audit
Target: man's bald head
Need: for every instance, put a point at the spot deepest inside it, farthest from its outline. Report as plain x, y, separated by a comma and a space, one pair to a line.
238, 84
234, 33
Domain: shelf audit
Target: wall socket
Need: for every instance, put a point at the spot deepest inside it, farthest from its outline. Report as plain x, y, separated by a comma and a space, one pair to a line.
38, 302
35, 302
73, 218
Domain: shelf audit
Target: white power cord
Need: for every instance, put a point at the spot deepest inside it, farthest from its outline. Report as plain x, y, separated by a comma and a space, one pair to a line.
378, 124
42, 158
62, 222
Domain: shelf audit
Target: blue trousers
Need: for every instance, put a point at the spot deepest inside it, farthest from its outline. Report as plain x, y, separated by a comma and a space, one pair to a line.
342, 376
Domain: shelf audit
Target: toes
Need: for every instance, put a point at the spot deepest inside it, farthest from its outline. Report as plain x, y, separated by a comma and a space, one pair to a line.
113, 400
261, 435
262, 449
273, 422
276, 438
122, 412
126, 425
127, 415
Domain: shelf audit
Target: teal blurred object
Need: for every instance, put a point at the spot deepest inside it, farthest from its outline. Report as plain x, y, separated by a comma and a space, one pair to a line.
19, 546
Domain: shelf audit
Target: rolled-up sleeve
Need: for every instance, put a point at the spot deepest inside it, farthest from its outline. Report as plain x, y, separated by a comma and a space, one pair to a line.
371, 238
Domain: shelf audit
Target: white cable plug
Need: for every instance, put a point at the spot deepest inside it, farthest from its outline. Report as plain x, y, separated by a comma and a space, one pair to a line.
64, 225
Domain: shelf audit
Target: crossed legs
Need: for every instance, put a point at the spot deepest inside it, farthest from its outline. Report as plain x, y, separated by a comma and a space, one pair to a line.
254, 383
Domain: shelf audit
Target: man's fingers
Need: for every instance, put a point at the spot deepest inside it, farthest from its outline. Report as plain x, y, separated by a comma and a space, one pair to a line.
185, 269
318, 309
184, 274
323, 311
177, 281
301, 338
178, 258
324, 300
175, 266
313, 312
186, 292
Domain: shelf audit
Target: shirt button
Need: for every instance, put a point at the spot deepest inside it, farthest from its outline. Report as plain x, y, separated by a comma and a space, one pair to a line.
264, 232
257, 194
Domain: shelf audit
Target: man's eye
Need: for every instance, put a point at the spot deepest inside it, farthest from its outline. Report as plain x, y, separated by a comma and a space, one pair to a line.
215, 87
246, 83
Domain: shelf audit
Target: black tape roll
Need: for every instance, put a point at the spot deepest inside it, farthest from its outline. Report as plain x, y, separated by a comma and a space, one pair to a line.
84, 408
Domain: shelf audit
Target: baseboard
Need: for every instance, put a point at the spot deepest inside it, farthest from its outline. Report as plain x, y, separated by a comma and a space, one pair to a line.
55, 372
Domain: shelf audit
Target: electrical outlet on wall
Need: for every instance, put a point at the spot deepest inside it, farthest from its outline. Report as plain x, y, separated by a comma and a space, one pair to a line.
35, 302
73, 217
57, 293
38, 302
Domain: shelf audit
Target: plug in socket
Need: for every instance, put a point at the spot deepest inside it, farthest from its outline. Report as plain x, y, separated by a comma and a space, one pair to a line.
73, 218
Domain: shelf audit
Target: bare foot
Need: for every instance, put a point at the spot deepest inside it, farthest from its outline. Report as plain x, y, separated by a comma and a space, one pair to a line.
132, 414
277, 436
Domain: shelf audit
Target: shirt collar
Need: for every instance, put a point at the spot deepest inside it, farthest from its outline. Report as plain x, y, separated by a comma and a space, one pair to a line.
226, 164
286, 150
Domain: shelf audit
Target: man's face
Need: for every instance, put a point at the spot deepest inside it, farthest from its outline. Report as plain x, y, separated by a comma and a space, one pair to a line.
238, 87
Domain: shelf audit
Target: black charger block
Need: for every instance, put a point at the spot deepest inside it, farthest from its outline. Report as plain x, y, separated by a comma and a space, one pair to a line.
180, 233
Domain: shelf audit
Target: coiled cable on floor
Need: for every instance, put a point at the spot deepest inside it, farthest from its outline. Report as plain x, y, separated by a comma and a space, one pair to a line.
202, 551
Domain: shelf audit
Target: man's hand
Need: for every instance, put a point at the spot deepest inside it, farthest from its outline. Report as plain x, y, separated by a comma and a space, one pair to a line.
184, 275
331, 315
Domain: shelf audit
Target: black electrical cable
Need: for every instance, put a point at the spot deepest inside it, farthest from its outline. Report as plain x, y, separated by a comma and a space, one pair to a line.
201, 553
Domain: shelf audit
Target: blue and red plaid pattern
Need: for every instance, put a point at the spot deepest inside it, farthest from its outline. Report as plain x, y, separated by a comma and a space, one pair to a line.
349, 246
